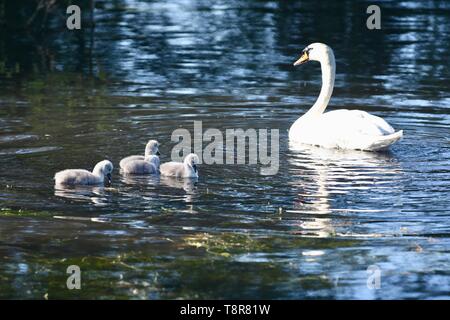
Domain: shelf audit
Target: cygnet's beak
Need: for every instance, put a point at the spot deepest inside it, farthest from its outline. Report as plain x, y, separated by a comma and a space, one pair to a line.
158, 153
304, 58
109, 177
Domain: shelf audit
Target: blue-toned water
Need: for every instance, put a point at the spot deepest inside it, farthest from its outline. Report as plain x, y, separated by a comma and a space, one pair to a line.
69, 100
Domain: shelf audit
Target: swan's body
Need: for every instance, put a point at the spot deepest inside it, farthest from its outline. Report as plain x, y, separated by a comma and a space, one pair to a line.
84, 177
150, 165
185, 169
342, 129
152, 148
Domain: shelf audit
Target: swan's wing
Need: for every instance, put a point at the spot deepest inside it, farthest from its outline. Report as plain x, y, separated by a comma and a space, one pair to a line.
75, 176
355, 129
173, 169
383, 142
129, 158
139, 167
355, 122
345, 129
377, 123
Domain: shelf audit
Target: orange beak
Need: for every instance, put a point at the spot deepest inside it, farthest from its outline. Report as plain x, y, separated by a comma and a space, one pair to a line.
304, 58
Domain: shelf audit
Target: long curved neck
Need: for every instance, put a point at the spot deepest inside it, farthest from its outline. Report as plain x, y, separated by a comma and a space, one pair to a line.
190, 170
154, 160
328, 66
98, 171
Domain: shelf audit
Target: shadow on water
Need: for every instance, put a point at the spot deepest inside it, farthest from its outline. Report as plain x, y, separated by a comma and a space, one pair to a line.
139, 70
83, 193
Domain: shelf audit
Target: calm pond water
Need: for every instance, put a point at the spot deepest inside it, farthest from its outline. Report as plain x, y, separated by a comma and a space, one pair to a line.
68, 100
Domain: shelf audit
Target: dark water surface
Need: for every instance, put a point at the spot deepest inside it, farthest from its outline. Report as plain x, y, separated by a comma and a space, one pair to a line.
69, 100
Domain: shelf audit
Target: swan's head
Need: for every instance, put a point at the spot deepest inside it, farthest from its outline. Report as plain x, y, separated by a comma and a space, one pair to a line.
192, 160
105, 168
152, 148
314, 52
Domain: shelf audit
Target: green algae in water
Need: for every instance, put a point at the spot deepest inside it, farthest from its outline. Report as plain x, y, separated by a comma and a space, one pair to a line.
229, 243
6, 212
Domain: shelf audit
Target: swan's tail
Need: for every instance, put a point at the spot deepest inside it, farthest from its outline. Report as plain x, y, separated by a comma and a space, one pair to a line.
383, 142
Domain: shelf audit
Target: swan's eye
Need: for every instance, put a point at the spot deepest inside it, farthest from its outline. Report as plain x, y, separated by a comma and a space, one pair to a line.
304, 57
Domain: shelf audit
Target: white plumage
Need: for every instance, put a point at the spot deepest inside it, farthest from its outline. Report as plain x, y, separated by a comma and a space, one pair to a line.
84, 177
152, 148
150, 165
342, 129
185, 169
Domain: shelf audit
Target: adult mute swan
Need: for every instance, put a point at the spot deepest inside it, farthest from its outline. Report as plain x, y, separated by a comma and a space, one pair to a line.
341, 129
83, 177
185, 169
152, 148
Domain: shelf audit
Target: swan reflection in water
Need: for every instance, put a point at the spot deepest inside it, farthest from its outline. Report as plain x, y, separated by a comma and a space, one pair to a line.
338, 181
96, 194
189, 185
139, 179
156, 181
152, 184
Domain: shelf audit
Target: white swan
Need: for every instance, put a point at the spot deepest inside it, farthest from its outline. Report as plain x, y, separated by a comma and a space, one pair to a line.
152, 148
342, 129
150, 165
83, 177
185, 169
